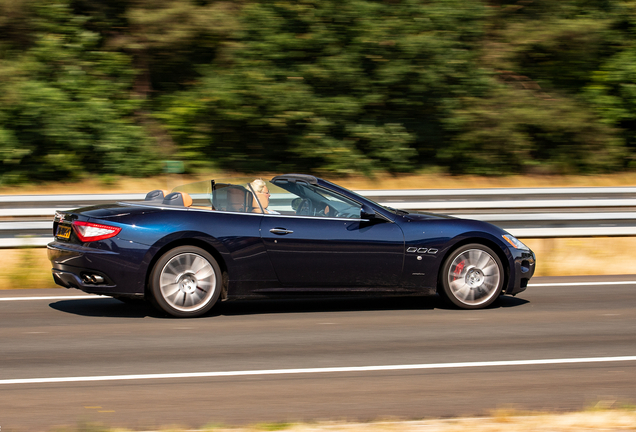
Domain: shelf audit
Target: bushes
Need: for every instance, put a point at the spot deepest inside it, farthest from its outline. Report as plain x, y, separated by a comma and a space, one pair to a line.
482, 87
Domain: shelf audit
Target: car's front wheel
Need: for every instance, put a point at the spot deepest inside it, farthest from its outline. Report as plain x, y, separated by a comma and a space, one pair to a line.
472, 277
185, 282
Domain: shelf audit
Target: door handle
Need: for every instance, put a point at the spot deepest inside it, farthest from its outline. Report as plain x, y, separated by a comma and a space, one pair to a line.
280, 231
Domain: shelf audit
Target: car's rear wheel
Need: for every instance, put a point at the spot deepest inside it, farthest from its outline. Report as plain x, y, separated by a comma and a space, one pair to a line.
185, 282
472, 277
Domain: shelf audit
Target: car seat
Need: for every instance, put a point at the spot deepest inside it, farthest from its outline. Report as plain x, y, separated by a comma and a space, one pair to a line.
178, 199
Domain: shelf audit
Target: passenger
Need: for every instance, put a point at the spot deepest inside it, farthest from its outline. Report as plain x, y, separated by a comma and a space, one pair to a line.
262, 195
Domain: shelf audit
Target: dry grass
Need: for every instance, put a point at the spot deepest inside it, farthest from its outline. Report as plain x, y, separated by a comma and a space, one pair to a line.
444, 181
584, 256
25, 268
575, 422
590, 421
619, 420
380, 181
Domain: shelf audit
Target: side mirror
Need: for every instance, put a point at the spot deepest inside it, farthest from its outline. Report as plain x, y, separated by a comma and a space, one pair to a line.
367, 212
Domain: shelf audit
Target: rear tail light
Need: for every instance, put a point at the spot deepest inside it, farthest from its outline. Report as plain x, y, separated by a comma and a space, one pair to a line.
87, 231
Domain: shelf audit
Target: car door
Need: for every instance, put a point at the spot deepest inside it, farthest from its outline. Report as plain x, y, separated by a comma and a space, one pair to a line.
339, 252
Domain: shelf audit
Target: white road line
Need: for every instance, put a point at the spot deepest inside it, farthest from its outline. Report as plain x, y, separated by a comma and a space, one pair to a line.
52, 298
581, 284
319, 370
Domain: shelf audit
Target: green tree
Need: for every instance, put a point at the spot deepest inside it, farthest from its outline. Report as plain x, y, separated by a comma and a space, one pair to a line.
521, 130
65, 105
472, 86
541, 55
331, 86
612, 89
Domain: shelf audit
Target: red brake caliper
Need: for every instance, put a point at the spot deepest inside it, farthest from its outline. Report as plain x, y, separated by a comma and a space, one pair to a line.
458, 269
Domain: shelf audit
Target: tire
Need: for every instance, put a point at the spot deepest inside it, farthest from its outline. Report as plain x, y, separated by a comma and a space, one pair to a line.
472, 277
185, 282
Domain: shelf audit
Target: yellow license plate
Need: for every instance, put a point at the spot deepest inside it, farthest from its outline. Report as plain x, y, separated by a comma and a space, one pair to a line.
63, 232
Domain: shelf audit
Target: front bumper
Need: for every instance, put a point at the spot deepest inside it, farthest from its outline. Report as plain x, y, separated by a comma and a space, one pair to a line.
523, 269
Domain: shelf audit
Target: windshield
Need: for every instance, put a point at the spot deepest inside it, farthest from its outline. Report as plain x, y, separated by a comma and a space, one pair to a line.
254, 195
387, 208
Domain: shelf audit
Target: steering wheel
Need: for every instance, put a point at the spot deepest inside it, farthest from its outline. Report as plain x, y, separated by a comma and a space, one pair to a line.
305, 208
328, 211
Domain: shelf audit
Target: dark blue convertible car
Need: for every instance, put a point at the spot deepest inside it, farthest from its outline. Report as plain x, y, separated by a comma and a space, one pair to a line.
295, 235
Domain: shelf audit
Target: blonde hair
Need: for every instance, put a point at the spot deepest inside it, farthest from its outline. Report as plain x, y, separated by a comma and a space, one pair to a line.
258, 185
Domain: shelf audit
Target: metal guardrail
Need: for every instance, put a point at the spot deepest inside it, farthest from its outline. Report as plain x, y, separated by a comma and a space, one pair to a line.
25, 220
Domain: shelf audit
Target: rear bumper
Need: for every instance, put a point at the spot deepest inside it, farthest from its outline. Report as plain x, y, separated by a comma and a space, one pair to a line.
75, 278
96, 271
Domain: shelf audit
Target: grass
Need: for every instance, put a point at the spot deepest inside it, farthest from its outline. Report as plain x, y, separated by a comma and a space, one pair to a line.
380, 181
507, 420
273, 426
584, 256
25, 268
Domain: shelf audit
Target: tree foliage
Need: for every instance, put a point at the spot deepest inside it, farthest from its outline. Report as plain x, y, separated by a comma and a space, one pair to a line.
65, 107
342, 87
472, 86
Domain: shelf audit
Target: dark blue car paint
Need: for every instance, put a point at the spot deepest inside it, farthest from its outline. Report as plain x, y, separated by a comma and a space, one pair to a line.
320, 255
445, 234
336, 252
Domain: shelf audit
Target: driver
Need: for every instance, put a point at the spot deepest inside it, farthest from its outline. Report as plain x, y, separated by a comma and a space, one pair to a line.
304, 207
262, 195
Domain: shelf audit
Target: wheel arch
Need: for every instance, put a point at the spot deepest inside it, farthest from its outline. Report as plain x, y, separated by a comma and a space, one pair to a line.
483, 241
197, 242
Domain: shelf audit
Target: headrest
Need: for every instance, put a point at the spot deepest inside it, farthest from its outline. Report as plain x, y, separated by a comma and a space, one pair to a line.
256, 208
238, 199
156, 195
178, 199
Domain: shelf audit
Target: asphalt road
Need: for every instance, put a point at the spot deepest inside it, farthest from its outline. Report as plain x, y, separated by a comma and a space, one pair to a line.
440, 358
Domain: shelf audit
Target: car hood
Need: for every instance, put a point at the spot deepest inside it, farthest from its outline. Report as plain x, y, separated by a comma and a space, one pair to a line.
418, 216
456, 224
